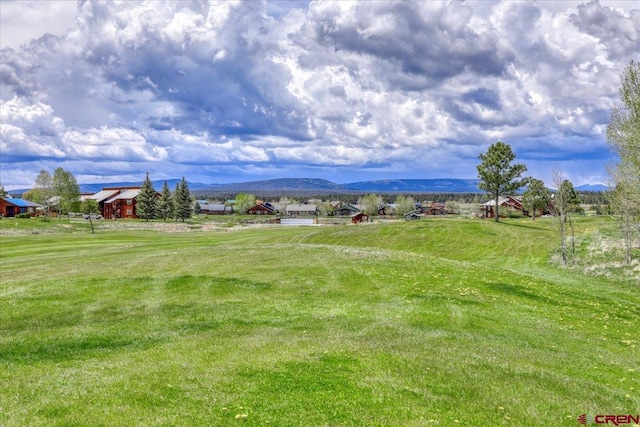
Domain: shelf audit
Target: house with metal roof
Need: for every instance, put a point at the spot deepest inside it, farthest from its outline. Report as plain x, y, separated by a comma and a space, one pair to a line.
102, 196
215, 208
345, 210
121, 205
301, 210
264, 208
11, 207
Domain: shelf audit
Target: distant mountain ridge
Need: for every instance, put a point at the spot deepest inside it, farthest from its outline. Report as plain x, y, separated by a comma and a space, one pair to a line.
418, 186
593, 187
326, 186
316, 185
158, 184
282, 184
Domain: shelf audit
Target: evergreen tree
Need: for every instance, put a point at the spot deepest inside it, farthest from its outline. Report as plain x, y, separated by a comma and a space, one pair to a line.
165, 204
497, 175
535, 198
182, 201
147, 202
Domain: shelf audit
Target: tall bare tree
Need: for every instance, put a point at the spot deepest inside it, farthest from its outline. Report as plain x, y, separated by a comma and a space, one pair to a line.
565, 202
91, 208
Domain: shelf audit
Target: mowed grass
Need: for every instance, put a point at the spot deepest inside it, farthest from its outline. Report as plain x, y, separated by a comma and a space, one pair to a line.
433, 322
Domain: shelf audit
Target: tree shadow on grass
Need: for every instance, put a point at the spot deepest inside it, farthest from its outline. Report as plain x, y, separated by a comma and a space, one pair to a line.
522, 292
529, 227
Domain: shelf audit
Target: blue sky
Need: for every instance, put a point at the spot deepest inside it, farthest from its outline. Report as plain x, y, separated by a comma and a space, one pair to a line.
223, 92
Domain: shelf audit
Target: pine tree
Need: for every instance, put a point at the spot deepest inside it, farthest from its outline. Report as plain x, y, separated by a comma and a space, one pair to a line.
536, 197
497, 175
165, 204
147, 202
182, 201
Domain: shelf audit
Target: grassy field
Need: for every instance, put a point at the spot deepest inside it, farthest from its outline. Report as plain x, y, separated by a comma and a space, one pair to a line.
431, 322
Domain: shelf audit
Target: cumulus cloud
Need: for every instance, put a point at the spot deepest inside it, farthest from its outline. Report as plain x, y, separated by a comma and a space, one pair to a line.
343, 89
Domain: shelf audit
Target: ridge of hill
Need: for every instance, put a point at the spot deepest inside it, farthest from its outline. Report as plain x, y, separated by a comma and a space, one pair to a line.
380, 186
316, 185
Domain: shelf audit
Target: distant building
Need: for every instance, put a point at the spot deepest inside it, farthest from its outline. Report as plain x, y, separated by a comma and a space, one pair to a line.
301, 210
263, 208
345, 210
215, 209
117, 202
508, 202
11, 207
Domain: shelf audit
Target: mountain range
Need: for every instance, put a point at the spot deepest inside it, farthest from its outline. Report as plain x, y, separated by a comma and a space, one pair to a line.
314, 185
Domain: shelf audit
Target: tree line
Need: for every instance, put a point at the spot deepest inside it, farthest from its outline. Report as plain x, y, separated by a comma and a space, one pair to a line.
177, 205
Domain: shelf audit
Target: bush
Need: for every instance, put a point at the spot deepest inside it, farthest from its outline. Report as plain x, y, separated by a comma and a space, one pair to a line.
23, 215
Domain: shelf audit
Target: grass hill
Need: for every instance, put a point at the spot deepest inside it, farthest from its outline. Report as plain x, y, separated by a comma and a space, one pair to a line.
442, 321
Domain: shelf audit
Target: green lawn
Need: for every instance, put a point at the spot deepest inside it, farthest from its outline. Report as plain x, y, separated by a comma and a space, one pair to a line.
432, 322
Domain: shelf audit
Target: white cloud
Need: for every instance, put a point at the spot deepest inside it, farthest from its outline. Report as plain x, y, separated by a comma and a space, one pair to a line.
369, 86
24, 20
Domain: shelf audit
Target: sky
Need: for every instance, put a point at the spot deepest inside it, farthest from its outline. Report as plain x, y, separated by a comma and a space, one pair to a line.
222, 91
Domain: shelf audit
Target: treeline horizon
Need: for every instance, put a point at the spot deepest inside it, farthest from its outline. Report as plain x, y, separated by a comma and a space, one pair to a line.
587, 197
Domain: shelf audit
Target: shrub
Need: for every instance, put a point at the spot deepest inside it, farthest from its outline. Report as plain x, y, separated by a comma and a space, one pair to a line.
23, 215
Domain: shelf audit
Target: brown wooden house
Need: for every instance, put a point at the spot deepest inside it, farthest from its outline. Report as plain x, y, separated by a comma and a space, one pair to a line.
102, 196
359, 217
344, 210
433, 208
262, 209
122, 204
505, 203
